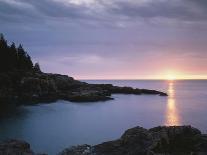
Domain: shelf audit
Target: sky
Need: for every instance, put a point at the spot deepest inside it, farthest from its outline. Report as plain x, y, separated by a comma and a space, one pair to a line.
111, 39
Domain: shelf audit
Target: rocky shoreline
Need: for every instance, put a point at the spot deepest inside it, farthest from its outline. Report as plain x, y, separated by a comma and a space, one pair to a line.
36, 86
22, 82
162, 140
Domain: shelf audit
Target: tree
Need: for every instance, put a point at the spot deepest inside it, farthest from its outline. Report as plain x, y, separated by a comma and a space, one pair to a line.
37, 67
3, 53
3, 42
12, 58
24, 60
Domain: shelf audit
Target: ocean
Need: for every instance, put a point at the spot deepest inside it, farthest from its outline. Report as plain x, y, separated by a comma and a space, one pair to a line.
50, 128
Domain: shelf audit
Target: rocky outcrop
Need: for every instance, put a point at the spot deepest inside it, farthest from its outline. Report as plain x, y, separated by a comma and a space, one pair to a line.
174, 140
31, 87
16, 147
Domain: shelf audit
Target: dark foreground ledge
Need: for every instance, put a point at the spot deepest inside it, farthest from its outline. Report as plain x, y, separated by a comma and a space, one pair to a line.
178, 140
174, 140
35, 87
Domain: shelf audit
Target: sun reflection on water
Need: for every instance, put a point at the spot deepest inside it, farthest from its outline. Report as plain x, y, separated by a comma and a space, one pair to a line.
172, 116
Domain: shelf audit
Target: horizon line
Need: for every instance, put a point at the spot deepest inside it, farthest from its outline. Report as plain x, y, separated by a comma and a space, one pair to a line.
147, 79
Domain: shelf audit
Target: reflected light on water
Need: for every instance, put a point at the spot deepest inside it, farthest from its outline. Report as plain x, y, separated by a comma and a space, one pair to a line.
172, 116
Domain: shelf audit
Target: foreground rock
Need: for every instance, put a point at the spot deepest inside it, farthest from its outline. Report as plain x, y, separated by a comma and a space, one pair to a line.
31, 87
16, 147
174, 140
178, 140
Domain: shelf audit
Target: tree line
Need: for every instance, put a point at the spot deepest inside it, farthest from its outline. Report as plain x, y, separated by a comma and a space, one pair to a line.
14, 58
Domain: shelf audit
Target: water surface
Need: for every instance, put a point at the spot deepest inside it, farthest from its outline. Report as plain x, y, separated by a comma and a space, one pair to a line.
52, 127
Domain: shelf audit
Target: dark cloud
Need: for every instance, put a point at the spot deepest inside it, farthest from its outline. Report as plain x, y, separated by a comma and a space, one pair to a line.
180, 10
115, 11
201, 3
18, 13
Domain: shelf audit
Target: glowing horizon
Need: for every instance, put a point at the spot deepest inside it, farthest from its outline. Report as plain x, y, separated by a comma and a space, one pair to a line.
140, 79
167, 77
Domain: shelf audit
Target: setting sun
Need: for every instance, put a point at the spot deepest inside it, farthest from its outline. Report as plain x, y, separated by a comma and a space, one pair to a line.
171, 75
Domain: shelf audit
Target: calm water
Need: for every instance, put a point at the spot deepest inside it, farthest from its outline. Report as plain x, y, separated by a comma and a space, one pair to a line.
51, 127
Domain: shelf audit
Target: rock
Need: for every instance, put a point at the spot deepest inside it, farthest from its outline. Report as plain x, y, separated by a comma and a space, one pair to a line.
163, 94
177, 139
34, 87
77, 150
16, 147
174, 140
129, 90
162, 140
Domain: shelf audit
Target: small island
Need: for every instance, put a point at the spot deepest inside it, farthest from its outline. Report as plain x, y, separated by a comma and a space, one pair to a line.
21, 82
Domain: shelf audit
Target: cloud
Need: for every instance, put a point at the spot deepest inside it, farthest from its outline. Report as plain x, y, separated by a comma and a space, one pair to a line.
115, 12
108, 36
176, 9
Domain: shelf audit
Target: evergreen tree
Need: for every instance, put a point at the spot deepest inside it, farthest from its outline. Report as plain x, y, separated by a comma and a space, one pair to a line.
20, 56
3, 42
3, 52
24, 60
12, 58
29, 63
37, 67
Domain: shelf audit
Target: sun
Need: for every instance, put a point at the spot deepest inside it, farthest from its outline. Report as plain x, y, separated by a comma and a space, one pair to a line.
171, 76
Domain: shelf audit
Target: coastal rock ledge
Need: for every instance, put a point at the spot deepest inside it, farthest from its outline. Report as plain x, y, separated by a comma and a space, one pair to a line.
162, 140
174, 140
35, 87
